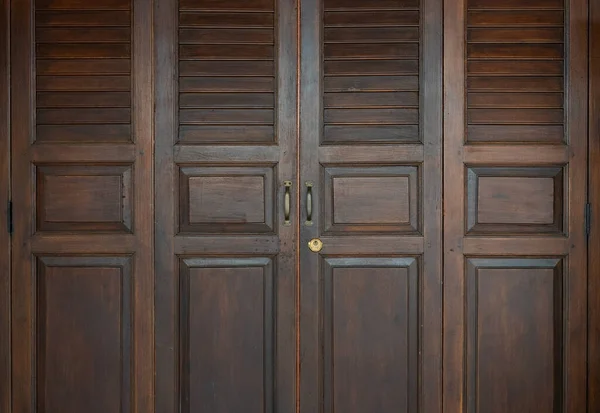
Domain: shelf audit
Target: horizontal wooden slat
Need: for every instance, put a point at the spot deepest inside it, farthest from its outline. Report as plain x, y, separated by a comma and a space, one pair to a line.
371, 67
212, 154
99, 153
518, 84
366, 154
516, 246
246, 134
373, 99
515, 18
515, 35
371, 51
226, 84
83, 4
372, 116
371, 133
518, 116
380, 246
83, 66
81, 18
226, 68
516, 4
83, 133
371, 34
226, 36
83, 83
370, 5
79, 50
228, 52
527, 155
217, 5
515, 100
82, 35
228, 116
83, 99
515, 51
371, 18
516, 67
81, 116
253, 245
223, 20
370, 83
226, 100
515, 133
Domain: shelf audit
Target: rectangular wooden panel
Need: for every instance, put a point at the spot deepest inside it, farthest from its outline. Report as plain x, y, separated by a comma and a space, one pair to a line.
370, 333
84, 198
372, 200
83, 334
518, 201
227, 321
515, 329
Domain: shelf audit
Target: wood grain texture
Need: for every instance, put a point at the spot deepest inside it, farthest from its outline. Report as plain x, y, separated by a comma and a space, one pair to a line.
593, 370
5, 179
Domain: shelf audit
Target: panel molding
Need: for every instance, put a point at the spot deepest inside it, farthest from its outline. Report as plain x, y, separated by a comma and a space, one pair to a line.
78, 265
189, 264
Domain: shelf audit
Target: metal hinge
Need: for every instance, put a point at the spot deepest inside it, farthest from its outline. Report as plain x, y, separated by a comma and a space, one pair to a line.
588, 218
9, 217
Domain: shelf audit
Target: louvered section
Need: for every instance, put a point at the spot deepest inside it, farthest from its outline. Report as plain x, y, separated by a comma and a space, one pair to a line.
515, 71
226, 71
371, 69
83, 67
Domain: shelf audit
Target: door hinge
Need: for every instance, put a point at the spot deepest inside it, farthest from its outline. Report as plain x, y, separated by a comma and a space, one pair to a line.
9, 217
588, 218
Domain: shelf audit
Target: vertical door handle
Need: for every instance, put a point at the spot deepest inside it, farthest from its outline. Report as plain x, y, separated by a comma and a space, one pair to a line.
287, 202
309, 203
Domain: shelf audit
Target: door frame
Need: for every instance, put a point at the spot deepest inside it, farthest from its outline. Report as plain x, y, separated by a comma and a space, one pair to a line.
594, 200
5, 353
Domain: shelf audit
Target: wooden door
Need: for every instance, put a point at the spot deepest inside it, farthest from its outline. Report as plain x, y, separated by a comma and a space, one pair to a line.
515, 143
82, 279
370, 151
225, 251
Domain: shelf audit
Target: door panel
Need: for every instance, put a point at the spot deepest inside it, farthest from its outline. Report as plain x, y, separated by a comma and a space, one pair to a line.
515, 175
83, 202
370, 137
225, 256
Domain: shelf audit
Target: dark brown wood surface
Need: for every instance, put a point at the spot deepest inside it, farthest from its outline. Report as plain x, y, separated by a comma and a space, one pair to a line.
594, 199
82, 170
515, 192
370, 144
5, 244
225, 261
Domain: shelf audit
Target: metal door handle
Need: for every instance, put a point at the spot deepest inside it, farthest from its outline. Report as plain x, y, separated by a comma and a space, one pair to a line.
287, 203
309, 203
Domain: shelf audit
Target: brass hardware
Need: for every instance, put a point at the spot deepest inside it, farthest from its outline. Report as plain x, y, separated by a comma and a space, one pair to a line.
309, 203
315, 245
287, 203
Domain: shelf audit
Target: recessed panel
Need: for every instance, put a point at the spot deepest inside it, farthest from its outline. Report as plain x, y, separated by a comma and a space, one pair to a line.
83, 334
226, 200
515, 324
370, 334
84, 198
371, 199
515, 200
227, 335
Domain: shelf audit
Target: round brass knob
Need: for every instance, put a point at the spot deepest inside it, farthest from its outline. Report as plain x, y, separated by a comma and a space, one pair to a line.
315, 245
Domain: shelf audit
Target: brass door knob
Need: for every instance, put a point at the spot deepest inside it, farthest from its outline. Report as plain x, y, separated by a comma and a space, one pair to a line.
315, 245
